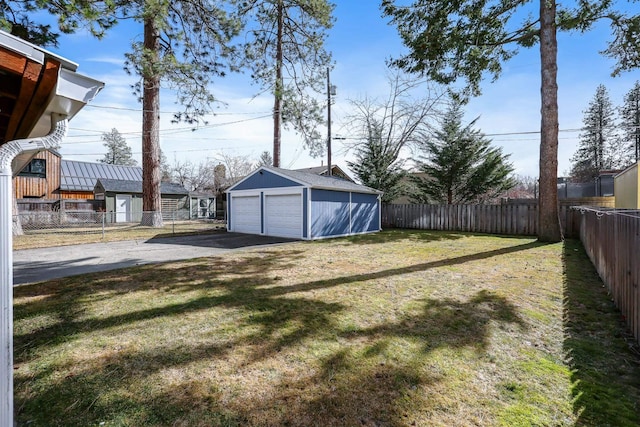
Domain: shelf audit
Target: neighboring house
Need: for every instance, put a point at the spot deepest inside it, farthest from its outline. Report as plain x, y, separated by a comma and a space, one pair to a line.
323, 171
48, 178
602, 186
124, 200
627, 188
302, 205
78, 179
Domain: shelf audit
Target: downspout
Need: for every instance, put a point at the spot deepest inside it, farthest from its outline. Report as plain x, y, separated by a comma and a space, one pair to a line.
8, 152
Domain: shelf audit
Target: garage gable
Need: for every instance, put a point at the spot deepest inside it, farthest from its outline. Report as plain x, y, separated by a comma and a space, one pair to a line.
263, 178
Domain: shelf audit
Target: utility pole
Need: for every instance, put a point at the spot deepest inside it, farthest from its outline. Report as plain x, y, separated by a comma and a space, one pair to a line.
331, 90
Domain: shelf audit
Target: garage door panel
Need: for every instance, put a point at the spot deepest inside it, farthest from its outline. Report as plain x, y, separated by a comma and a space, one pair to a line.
245, 214
283, 215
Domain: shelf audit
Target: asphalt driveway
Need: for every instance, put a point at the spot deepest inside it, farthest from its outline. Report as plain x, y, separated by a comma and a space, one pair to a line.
36, 265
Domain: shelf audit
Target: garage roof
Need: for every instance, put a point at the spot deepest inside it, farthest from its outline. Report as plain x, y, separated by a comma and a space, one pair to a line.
311, 180
122, 186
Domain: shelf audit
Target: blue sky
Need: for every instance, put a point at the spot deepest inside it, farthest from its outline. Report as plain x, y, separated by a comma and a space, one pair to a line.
360, 41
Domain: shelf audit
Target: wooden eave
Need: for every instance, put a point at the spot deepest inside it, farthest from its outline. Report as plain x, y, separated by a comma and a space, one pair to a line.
26, 86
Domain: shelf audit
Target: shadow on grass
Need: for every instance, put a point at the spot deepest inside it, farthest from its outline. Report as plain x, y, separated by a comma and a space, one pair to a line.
395, 235
602, 355
271, 318
451, 323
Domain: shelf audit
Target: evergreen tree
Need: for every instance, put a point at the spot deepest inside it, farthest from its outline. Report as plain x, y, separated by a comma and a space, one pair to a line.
118, 151
630, 122
464, 40
265, 159
597, 140
377, 166
285, 53
460, 165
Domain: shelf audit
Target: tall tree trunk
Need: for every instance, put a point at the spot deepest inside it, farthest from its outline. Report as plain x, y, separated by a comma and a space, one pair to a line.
151, 206
548, 218
277, 103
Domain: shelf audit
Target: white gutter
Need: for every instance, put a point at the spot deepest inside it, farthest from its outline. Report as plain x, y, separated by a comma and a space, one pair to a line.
8, 152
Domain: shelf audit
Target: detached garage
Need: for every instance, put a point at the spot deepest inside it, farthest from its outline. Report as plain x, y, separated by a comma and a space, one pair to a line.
301, 205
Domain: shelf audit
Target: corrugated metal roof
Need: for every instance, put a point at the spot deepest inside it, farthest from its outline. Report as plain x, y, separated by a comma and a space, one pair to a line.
82, 176
128, 186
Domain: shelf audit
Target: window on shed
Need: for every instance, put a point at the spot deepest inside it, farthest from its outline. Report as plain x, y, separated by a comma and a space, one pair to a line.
36, 168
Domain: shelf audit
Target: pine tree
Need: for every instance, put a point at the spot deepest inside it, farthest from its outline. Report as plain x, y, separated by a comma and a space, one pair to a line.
460, 165
118, 151
265, 159
377, 166
597, 140
630, 122
285, 53
466, 40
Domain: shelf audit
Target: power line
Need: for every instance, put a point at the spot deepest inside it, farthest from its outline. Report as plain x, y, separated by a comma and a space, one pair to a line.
140, 110
172, 131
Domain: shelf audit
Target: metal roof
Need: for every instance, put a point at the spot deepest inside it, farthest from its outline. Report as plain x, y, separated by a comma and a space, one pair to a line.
128, 186
82, 176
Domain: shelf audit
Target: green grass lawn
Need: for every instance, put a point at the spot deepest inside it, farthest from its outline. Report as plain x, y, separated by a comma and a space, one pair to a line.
399, 328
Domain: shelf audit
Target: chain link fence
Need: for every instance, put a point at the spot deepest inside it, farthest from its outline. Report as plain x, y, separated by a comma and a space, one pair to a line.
90, 222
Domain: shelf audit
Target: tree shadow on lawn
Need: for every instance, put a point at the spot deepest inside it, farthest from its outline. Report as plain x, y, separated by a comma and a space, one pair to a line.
344, 392
393, 235
65, 299
603, 356
396, 235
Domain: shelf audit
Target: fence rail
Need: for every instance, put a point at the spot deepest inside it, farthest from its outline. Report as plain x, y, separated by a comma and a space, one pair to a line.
611, 238
514, 219
86, 222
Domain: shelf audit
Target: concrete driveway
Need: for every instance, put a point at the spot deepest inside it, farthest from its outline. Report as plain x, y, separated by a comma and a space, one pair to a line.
36, 265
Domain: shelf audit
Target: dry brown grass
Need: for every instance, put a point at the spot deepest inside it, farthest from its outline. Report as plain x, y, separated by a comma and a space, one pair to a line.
395, 329
75, 236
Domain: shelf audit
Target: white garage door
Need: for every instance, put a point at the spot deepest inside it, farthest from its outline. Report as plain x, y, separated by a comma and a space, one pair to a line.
283, 215
245, 214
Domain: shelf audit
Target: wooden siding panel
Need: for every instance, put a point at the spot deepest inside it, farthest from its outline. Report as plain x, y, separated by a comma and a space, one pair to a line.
76, 195
45, 188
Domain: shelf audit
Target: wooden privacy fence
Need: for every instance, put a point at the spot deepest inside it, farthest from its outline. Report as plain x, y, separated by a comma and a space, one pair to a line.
515, 219
611, 238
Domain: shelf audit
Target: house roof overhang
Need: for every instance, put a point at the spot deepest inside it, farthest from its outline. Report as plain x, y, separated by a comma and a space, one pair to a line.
36, 84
